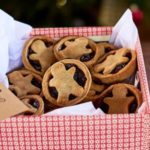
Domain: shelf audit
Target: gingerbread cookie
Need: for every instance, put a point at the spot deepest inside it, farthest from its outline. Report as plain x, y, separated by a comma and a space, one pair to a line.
116, 67
80, 48
38, 54
119, 98
66, 82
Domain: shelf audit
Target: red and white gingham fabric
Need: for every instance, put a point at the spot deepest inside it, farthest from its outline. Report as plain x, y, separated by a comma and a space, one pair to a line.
111, 132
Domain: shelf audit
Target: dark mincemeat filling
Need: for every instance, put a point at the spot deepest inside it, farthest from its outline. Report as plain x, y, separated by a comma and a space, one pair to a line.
14, 92
62, 47
71, 97
48, 44
87, 57
34, 103
36, 82
133, 105
34, 63
53, 91
79, 77
108, 49
103, 105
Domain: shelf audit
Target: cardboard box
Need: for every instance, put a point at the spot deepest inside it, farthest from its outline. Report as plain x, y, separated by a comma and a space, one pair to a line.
123, 131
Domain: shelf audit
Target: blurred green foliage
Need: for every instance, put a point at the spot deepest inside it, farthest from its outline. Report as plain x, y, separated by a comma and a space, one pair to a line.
47, 13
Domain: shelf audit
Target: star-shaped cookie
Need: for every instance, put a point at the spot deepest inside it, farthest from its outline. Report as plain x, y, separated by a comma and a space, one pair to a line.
22, 85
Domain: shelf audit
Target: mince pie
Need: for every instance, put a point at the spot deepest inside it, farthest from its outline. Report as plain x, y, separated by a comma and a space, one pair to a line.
119, 99
96, 89
38, 54
23, 82
80, 48
35, 104
107, 47
116, 67
66, 82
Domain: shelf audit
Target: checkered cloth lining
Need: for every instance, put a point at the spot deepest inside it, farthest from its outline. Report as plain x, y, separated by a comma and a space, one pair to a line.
111, 132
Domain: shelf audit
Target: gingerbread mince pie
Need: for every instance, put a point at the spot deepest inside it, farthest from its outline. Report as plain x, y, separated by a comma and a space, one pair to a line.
119, 99
116, 67
80, 48
66, 82
107, 47
24, 82
95, 91
38, 54
35, 104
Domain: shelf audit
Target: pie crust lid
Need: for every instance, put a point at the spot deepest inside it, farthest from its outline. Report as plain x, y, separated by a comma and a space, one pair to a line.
74, 82
115, 66
35, 103
81, 48
119, 98
38, 54
24, 82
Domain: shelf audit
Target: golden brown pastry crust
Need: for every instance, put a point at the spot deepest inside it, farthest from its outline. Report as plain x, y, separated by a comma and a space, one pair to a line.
95, 91
80, 48
29, 100
110, 62
119, 98
41, 54
107, 47
21, 82
63, 80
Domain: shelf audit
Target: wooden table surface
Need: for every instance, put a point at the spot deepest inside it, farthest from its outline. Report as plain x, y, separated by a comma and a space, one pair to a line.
146, 53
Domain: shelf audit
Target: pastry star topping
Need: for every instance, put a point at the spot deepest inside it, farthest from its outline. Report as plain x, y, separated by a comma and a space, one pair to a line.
22, 85
76, 48
119, 102
112, 61
69, 86
42, 54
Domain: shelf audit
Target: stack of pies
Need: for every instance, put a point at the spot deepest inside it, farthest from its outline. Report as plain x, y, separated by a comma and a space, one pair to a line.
75, 70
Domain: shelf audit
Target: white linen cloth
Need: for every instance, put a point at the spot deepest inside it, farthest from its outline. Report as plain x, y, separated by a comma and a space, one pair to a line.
80, 109
13, 34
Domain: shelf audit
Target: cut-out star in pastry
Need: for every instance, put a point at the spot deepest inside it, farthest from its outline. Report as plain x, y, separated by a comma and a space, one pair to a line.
22, 85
